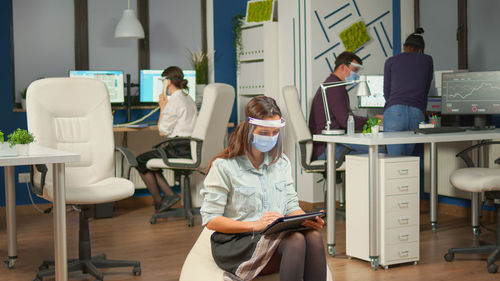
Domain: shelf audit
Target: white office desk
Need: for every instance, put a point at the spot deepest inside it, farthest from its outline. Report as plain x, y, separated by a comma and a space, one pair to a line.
39, 155
373, 141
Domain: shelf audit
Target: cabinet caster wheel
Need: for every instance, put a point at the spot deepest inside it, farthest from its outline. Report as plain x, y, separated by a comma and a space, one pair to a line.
374, 263
386, 267
492, 268
152, 221
136, 271
349, 257
415, 262
331, 250
449, 257
10, 263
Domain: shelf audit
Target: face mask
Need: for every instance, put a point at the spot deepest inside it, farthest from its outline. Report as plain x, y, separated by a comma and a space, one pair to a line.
353, 76
264, 143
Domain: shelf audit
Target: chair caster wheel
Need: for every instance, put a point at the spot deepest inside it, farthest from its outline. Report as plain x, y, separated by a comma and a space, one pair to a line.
190, 223
449, 257
152, 221
136, 271
492, 268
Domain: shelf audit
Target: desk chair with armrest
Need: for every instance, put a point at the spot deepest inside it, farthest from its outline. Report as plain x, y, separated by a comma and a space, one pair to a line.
304, 141
485, 180
74, 115
207, 139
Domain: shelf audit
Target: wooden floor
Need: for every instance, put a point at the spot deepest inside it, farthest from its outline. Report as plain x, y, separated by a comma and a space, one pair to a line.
162, 248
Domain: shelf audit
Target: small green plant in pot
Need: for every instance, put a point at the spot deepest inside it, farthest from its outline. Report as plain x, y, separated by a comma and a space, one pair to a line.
371, 123
1, 137
20, 139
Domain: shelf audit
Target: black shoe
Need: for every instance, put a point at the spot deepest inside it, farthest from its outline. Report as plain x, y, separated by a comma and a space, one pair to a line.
168, 202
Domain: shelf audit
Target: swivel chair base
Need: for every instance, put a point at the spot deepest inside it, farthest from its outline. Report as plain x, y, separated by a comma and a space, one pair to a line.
493, 250
187, 210
85, 262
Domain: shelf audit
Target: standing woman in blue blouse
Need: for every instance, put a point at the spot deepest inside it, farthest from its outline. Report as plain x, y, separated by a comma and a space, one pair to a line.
407, 78
249, 185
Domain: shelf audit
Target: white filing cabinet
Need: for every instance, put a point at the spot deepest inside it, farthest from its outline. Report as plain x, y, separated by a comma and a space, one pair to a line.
398, 213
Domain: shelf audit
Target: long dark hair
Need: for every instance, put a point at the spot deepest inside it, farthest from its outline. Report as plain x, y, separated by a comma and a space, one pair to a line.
175, 75
259, 107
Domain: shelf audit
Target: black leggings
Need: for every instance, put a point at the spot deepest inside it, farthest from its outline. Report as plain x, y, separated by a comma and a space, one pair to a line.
300, 256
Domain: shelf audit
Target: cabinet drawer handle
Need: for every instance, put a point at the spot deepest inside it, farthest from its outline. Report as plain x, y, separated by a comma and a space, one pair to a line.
403, 172
403, 221
404, 237
403, 253
403, 188
403, 204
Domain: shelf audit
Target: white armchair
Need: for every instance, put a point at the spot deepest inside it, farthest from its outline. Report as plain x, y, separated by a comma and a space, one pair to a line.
207, 139
74, 115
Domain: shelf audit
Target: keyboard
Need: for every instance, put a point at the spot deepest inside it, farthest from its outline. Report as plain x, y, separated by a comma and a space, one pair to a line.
438, 130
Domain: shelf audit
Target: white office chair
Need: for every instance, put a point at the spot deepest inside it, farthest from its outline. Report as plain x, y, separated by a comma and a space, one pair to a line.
74, 115
486, 180
200, 265
207, 139
304, 140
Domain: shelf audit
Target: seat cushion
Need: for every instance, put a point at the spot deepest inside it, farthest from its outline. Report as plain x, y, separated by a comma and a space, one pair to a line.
157, 163
200, 265
107, 190
476, 179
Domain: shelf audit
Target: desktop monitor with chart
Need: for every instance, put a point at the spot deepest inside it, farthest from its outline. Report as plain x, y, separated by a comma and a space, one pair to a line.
152, 86
112, 79
471, 93
376, 98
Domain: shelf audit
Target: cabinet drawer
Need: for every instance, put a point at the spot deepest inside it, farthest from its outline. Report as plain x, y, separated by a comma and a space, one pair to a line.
402, 251
401, 170
398, 203
402, 219
401, 186
402, 235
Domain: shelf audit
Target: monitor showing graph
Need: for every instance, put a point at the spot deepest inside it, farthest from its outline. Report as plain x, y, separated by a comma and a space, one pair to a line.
471, 93
112, 79
152, 86
376, 97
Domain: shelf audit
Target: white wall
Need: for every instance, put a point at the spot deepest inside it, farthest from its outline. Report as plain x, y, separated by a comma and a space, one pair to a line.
43, 40
175, 27
483, 41
105, 51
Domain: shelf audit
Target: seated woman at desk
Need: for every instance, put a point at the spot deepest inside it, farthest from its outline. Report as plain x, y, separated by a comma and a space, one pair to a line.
248, 185
177, 118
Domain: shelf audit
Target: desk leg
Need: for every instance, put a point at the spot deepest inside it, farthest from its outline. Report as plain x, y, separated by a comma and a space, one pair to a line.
330, 201
373, 208
434, 194
10, 212
61, 264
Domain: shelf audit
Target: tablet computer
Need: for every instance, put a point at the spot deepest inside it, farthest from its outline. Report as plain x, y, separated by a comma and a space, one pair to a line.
290, 222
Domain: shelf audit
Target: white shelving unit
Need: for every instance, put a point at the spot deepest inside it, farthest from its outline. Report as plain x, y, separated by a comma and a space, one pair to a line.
399, 209
258, 64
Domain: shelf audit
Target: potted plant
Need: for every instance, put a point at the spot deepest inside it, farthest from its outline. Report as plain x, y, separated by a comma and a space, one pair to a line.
372, 125
238, 21
199, 61
23, 98
1, 137
20, 139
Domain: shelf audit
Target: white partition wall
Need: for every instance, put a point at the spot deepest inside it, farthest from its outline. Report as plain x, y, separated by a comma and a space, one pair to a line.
309, 43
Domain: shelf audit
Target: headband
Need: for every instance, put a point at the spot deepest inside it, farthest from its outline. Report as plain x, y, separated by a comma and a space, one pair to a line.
267, 123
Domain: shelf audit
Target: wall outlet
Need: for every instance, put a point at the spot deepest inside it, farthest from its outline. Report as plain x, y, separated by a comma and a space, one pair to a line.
23, 177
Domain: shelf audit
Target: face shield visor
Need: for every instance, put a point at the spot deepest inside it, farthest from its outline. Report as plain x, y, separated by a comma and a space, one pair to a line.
266, 135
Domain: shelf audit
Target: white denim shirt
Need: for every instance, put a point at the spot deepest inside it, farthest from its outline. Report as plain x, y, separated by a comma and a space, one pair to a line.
234, 189
178, 116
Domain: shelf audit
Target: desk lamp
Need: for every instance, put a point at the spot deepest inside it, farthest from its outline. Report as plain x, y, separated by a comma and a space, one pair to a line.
362, 90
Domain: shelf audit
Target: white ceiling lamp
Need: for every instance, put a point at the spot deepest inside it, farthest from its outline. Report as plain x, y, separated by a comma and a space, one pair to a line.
129, 26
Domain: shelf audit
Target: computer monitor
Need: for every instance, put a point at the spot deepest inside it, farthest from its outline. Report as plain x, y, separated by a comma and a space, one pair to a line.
152, 86
376, 99
112, 79
472, 93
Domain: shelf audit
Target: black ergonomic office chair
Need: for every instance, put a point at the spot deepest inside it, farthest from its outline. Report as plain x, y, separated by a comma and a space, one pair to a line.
207, 139
485, 180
